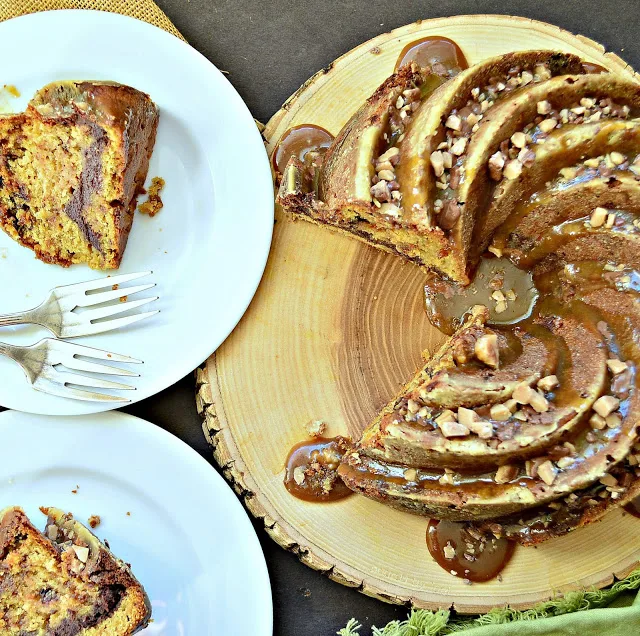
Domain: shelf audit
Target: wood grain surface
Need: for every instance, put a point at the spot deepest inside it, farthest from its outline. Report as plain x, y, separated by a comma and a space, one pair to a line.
334, 330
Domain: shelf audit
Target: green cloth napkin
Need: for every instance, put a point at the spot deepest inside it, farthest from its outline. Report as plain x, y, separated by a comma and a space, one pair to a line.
614, 611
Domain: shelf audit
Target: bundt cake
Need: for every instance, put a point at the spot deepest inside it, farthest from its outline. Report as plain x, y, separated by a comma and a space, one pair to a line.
525, 430
71, 167
64, 581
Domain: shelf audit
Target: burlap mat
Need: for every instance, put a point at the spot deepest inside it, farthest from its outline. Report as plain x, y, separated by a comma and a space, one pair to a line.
146, 10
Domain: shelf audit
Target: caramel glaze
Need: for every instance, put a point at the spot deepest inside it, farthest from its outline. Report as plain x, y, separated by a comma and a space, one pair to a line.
443, 55
447, 303
311, 472
307, 142
592, 67
633, 507
467, 553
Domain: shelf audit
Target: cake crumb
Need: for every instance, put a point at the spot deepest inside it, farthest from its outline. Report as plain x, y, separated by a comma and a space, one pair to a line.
154, 203
94, 521
75, 490
128, 514
316, 428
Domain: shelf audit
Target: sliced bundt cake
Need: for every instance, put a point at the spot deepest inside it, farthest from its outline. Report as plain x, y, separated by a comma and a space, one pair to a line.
71, 167
64, 581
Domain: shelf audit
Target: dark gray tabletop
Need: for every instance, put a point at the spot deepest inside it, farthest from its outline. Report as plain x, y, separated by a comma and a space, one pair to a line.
269, 50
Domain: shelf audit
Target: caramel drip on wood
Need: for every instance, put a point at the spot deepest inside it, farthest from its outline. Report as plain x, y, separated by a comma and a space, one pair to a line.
467, 553
443, 55
301, 142
312, 470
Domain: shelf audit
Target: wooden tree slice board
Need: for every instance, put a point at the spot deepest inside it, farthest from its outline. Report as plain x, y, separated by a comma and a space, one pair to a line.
334, 330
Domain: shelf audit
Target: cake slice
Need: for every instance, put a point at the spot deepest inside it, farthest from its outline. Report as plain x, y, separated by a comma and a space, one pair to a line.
71, 168
64, 581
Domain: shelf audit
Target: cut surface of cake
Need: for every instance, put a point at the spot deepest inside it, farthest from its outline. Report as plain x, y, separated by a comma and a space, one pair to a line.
71, 167
64, 581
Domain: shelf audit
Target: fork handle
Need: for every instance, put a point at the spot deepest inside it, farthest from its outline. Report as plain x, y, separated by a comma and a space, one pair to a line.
19, 318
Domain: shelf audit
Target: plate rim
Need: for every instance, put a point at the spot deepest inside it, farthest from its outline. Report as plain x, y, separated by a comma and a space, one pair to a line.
262, 202
175, 444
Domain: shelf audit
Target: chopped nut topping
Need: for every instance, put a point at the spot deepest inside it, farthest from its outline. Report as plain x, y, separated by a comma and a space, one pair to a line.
597, 422
500, 412
598, 217
505, 474
449, 551
386, 175
617, 158
519, 139
544, 107
81, 552
454, 122
459, 146
521, 416
486, 350
453, 429
548, 382
410, 474
547, 125
298, 475
447, 478
482, 428
495, 250
614, 420
565, 462
512, 405
466, 416
390, 209
608, 480
547, 472
394, 151
513, 169
413, 406
446, 416
539, 403
616, 366
498, 295
437, 161
523, 393
496, 164
501, 306
606, 405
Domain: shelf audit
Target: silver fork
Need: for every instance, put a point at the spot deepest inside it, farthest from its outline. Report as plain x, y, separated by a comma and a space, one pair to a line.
44, 363
57, 313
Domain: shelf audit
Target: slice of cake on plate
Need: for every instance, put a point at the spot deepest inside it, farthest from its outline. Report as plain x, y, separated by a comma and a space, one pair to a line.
71, 167
64, 581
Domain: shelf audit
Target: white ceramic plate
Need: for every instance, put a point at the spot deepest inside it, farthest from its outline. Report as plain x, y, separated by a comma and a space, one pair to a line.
207, 247
188, 539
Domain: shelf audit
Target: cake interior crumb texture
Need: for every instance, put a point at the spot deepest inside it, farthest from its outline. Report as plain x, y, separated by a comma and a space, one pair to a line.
64, 581
71, 167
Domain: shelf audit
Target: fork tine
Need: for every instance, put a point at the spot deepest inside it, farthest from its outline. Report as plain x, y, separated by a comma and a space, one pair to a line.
65, 378
99, 283
77, 394
84, 365
112, 310
107, 325
104, 297
89, 352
